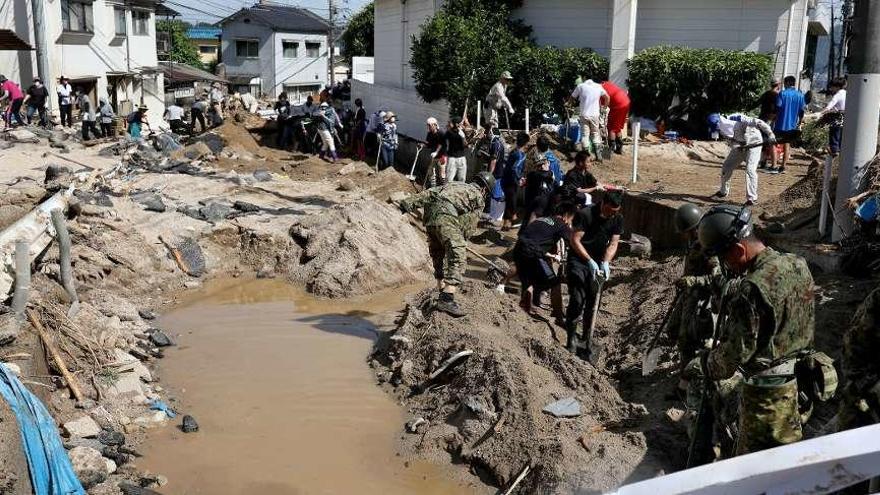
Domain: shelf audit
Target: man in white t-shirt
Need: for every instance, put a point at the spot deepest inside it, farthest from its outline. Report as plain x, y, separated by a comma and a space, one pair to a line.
174, 116
65, 101
591, 97
834, 111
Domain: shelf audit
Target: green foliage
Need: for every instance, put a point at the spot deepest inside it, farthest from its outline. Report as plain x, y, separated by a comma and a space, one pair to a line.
814, 137
674, 82
182, 48
357, 40
463, 49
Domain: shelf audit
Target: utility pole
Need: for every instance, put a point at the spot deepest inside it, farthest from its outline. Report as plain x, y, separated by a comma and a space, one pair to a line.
331, 41
42, 46
863, 108
831, 72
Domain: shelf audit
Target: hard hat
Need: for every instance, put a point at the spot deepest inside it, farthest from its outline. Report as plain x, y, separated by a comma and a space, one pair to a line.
324, 105
389, 116
723, 226
485, 179
506, 75
687, 217
431, 121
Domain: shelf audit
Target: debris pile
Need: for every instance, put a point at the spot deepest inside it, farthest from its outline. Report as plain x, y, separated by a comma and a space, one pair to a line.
500, 393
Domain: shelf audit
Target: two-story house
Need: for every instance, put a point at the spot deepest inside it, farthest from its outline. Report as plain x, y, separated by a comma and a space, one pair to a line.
105, 47
207, 40
615, 29
270, 49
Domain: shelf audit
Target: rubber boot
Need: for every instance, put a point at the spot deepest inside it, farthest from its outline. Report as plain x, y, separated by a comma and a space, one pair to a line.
618, 146
447, 304
321, 155
572, 342
333, 156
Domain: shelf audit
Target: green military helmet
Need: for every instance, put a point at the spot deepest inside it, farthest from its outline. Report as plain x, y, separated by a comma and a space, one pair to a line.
723, 226
484, 179
687, 217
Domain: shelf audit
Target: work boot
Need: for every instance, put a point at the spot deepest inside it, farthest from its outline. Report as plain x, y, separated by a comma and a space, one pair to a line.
572, 344
447, 304
321, 155
333, 157
618, 146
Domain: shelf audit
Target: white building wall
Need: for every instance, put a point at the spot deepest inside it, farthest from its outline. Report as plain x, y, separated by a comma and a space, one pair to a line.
569, 23
84, 56
301, 70
388, 48
411, 111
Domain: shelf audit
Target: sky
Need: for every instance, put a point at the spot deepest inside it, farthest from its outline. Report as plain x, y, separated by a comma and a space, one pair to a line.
213, 10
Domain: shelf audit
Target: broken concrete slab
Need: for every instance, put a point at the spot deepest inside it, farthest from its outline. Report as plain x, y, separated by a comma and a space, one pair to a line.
82, 427
195, 151
127, 387
215, 211
126, 363
152, 420
262, 175
23, 136
564, 408
150, 200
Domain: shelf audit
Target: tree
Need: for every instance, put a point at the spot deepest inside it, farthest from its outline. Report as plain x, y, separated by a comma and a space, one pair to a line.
357, 39
182, 48
463, 49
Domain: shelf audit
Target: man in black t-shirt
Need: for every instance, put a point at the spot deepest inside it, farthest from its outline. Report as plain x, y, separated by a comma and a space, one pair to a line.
767, 105
597, 231
35, 101
531, 255
582, 179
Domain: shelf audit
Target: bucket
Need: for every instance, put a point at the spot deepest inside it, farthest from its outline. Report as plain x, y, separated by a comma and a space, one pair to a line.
867, 211
574, 132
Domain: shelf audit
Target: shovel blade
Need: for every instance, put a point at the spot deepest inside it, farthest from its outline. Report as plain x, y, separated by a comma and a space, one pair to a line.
649, 362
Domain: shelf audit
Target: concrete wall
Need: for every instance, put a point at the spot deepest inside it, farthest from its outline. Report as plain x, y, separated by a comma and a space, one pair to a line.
569, 23
396, 23
406, 103
262, 67
86, 56
299, 70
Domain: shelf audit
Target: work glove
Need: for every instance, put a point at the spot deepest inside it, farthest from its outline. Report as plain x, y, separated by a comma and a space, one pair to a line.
594, 268
512, 111
606, 268
771, 141
433, 155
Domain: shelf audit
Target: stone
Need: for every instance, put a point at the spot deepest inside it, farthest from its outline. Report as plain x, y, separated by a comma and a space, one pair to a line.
73, 443
128, 387
189, 424
23, 136
111, 465
405, 373
159, 338
213, 141
195, 151
151, 201
89, 466
245, 207
348, 169
103, 417
82, 427
564, 408
147, 314
262, 175
398, 196
152, 420
415, 424
192, 284
110, 437
127, 363
346, 185
214, 211
674, 414
480, 407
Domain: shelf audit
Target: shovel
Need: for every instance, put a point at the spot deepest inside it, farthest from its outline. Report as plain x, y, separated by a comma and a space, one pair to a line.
378, 152
411, 176
652, 355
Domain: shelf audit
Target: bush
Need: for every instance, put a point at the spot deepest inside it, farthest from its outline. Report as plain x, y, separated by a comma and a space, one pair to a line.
676, 82
463, 49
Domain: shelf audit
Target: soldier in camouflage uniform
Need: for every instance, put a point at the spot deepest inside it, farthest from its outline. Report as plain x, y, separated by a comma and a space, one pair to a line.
765, 322
450, 216
860, 400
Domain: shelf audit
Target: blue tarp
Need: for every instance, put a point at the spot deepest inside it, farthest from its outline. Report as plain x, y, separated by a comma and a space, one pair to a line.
50, 468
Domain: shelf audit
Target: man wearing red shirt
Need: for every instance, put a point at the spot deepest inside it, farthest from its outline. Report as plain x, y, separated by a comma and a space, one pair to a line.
619, 109
11, 91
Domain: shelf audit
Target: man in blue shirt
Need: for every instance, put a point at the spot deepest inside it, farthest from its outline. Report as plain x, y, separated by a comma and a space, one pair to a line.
790, 105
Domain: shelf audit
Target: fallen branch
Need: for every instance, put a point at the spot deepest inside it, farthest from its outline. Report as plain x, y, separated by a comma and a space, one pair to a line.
56, 356
518, 480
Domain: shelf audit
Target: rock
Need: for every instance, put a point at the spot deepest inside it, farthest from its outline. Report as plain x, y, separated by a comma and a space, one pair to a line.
192, 284
89, 465
480, 407
128, 364
110, 437
413, 425
213, 141
638, 410
195, 151
776, 228
214, 211
82, 427
348, 169
111, 465
130, 489
150, 200
159, 338
398, 196
346, 185
152, 420
564, 408
405, 373
103, 417
262, 175
636, 245
147, 314
189, 424
128, 387
245, 207
23, 136
73, 443
191, 211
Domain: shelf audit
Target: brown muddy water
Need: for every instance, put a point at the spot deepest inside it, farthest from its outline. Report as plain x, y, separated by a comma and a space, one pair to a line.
285, 400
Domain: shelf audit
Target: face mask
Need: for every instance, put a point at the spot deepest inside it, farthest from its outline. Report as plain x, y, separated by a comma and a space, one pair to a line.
38, 84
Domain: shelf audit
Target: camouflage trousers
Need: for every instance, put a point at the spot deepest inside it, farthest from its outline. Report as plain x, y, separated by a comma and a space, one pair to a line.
448, 249
691, 323
768, 414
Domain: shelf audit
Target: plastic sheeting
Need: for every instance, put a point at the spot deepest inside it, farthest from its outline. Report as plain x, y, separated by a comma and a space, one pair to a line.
50, 469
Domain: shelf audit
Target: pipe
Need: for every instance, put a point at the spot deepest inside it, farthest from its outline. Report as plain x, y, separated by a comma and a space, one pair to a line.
527, 120
22, 279
786, 55
826, 186
63, 237
637, 130
479, 113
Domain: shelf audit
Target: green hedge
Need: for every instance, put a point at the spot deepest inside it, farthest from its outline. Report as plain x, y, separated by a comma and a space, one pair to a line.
544, 76
702, 80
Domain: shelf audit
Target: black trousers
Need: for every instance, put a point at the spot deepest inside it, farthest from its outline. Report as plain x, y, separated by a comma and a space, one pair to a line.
107, 129
89, 128
178, 126
582, 292
197, 115
66, 115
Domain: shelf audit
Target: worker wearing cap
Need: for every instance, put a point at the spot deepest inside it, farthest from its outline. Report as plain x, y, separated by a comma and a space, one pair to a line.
327, 121
11, 91
435, 141
388, 139
765, 322
450, 217
749, 136
597, 231
65, 101
497, 99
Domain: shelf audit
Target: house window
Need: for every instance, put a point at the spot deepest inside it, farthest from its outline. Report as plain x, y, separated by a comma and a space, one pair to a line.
297, 93
290, 49
119, 20
76, 16
313, 50
247, 48
208, 49
140, 21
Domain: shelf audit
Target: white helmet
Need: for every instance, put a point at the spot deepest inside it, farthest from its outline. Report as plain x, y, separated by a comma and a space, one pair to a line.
432, 121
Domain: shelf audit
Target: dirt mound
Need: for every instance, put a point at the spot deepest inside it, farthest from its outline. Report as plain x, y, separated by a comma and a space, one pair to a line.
239, 136
799, 199
487, 412
356, 249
